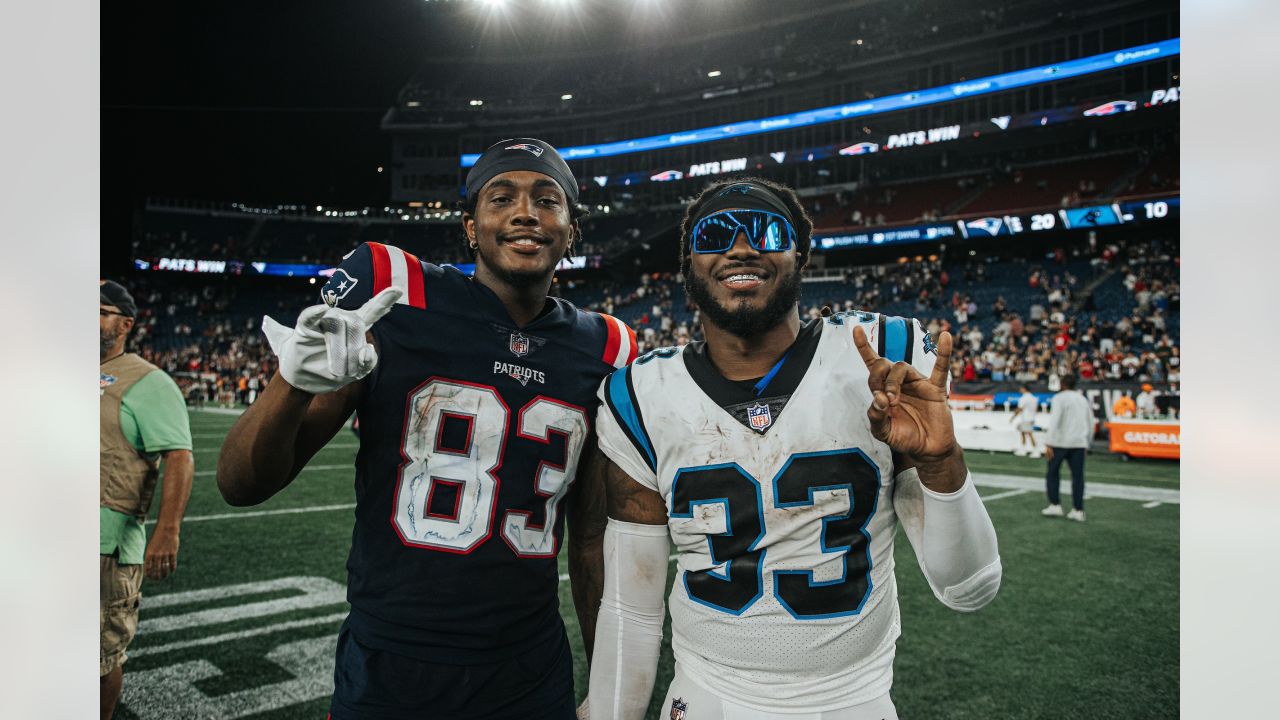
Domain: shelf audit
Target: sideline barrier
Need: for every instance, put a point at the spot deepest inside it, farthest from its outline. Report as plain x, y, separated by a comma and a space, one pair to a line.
990, 430
1147, 438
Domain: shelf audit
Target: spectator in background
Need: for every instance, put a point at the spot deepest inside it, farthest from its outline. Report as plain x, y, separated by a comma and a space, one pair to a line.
1070, 431
1027, 406
1123, 407
1086, 368
1061, 340
1147, 401
143, 427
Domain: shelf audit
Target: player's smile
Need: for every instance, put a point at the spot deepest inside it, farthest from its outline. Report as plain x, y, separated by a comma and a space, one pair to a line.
743, 279
525, 243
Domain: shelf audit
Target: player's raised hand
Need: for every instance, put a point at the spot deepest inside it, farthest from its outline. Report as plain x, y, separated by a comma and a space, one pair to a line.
909, 412
327, 349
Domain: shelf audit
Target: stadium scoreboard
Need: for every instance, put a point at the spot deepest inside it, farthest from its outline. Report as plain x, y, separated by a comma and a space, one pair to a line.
1130, 212
1093, 216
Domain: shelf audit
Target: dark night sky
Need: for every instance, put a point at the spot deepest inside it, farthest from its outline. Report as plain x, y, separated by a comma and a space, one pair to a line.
280, 100
268, 101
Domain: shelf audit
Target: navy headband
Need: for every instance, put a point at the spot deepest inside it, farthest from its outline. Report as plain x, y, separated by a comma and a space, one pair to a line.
522, 154
745, 196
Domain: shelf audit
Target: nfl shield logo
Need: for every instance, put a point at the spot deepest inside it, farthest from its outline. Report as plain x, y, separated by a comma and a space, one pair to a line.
678, 706
519, 344
759, 418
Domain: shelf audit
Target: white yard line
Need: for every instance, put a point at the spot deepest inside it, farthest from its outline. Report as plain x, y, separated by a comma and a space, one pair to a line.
1002, 495
330, 446
309, 468
1015, 485
239, 635
218, 410
1093, 489
261, 513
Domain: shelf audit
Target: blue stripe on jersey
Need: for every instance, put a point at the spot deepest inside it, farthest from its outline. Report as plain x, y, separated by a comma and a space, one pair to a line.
895, 339
619, 395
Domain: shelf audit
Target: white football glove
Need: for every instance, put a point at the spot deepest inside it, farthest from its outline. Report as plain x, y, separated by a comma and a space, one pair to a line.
584, 710
327, 349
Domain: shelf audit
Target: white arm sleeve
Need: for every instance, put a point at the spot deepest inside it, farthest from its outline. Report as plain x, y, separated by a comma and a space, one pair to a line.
954, 540
629, 627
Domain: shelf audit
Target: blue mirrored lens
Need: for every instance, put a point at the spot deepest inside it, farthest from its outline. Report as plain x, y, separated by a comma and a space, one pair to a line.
767, 232
774, 236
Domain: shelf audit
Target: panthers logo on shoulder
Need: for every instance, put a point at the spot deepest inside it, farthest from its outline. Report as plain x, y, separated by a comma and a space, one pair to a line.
929, 345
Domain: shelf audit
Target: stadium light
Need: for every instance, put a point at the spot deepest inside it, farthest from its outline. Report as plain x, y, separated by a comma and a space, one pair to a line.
714, 73
566, 96
476, 103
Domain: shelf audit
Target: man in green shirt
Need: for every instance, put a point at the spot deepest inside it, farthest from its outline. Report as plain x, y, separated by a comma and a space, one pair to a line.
143, 424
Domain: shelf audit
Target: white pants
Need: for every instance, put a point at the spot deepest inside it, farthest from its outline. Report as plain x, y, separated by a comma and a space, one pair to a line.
699, 703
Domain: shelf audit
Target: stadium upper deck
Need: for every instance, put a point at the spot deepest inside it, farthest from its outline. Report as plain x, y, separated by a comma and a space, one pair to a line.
768, 65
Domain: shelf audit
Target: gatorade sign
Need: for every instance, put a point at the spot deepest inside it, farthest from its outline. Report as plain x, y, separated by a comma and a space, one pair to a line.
1154, 439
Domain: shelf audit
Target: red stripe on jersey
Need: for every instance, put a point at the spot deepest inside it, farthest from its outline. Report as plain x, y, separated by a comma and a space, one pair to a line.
381, 267
613, 338
417, 297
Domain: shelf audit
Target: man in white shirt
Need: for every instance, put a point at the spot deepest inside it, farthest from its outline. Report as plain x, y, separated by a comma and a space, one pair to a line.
1070, 430
1147, 401
1025, 417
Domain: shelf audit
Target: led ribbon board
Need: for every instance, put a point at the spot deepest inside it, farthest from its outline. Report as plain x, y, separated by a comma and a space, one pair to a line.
901, 101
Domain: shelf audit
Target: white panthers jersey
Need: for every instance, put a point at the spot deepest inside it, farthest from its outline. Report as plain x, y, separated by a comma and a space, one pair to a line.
780, 505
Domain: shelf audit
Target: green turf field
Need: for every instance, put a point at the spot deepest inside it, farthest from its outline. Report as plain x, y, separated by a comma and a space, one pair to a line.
1085, 626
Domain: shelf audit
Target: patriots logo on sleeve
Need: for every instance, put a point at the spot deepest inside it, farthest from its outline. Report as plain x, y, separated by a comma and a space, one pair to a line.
340, 283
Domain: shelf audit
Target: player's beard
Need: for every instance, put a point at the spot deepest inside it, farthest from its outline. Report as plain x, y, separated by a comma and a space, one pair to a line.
743, 320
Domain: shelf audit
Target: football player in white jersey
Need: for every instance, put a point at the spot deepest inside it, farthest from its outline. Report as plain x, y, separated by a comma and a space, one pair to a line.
779, 458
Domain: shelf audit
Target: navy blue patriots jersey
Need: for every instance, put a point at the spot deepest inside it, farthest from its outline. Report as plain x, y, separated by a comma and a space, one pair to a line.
470, 435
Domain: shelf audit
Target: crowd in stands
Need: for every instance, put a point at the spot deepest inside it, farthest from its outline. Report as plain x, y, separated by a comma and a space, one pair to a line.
215, 354
1103, 312
1048, 331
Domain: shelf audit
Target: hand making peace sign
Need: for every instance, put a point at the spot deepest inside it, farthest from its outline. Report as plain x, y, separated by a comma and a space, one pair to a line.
909, 412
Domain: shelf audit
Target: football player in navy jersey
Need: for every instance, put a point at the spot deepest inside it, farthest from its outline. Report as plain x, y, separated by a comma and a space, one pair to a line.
475, 398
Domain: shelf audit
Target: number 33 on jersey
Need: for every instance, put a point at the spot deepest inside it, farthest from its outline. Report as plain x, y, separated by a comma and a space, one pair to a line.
780, 504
